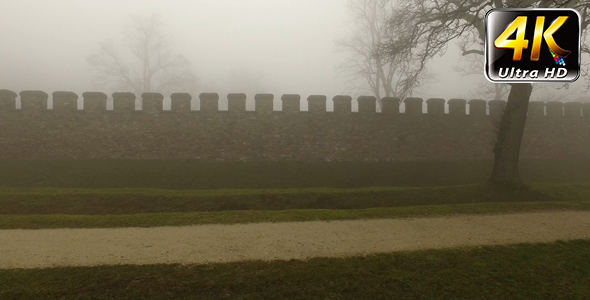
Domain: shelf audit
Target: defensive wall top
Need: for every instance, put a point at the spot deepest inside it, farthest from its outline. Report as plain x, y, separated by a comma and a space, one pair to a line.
181, 102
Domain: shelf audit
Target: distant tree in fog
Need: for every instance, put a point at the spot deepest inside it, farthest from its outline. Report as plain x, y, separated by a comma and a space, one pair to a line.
365, 66
147, 62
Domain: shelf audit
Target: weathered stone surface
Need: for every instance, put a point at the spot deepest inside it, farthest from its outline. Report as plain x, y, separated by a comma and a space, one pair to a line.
180, 102
264, 102
7, 100
390, 105
152, 102
572, 109
291, 103
236, 102
457, 107
123, 101
536, 109
554, 109
316, 103
367, 104
209, 102
435, 106
33, 100
413, 106
94, 101
211, 135
477, 107
342, 104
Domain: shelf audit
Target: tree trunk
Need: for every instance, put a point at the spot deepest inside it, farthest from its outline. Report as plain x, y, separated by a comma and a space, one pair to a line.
498, 91
511, 129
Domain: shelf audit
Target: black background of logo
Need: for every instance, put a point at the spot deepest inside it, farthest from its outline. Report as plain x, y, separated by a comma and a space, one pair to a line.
567, 37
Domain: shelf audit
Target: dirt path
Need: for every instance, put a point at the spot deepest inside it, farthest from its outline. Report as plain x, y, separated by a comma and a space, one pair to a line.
268, 241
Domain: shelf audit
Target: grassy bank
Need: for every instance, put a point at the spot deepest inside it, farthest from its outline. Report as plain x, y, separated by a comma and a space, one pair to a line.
89, 208
19, 201
270, 175
237, 217
528, 271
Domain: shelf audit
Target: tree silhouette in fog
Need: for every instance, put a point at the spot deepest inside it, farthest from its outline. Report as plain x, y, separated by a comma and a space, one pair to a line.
145, 63
422, 29
365, 66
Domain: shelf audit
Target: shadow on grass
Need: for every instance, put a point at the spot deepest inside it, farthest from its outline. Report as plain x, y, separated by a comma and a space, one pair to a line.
558, 270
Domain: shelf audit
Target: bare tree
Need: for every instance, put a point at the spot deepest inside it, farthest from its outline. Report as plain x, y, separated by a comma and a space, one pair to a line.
366, 68
423, 28
148, 65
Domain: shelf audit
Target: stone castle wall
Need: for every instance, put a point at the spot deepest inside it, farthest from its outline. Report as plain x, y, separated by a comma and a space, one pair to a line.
554, 130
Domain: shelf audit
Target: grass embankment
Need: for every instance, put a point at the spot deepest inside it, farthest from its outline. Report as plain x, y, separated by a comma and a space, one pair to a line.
100, 208
194, 175
529, 271
87, 194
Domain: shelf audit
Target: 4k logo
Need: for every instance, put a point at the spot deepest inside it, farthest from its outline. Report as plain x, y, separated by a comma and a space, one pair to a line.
527, 45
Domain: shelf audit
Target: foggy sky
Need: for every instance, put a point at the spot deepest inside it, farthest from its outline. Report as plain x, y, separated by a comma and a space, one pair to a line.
288, 44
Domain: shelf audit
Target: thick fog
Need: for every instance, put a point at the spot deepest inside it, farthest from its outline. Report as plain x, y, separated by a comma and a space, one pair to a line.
262, 46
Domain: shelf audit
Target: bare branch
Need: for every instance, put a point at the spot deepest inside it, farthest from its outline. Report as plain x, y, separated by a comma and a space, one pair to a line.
149, 65
366, 63
472, 51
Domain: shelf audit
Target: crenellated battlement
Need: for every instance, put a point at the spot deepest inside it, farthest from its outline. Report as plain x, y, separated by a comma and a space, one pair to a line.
181, 102
415, 129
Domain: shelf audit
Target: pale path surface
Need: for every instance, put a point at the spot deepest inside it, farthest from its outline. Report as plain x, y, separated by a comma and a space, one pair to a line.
268, 241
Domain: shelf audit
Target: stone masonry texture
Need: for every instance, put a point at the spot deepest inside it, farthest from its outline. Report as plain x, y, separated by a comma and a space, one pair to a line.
464, 131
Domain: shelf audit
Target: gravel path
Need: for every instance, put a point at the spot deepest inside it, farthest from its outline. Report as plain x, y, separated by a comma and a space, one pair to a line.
268, 241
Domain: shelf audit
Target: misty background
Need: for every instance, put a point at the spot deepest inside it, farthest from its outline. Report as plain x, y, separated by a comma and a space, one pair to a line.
253, 46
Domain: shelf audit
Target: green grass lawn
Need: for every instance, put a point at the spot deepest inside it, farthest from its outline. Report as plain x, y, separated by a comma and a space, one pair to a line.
558, 270
236, 217
94, 194
105, 208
